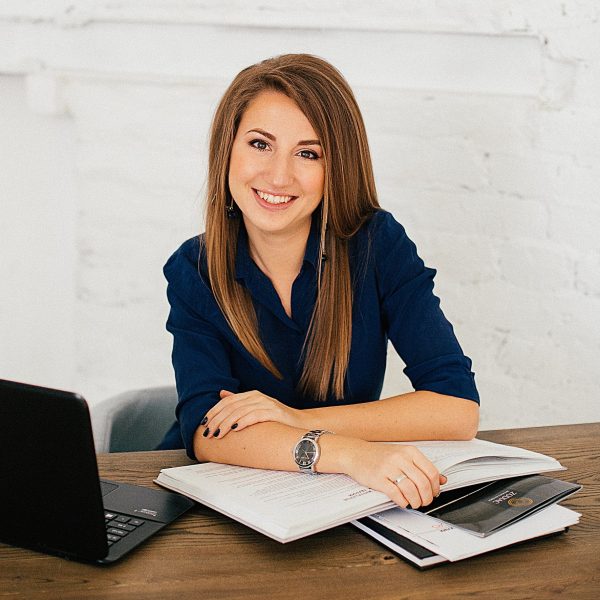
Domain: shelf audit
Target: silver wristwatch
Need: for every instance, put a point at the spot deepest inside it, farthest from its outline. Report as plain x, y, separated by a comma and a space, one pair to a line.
307, 452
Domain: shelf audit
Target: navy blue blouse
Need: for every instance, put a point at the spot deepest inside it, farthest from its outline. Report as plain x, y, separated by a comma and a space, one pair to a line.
393, 298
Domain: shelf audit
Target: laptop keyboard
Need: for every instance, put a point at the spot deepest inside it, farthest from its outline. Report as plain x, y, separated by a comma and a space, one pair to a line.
119, 526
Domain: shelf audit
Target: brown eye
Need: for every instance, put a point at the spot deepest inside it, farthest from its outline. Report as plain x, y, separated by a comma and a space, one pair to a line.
259, 145
308, 154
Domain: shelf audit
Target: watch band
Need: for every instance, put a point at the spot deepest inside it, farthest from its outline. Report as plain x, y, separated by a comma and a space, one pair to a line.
305, 458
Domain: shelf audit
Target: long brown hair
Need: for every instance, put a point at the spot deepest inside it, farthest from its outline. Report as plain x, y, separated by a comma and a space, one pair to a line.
349, 197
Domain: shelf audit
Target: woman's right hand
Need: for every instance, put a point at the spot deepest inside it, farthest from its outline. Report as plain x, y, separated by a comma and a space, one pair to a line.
378, 466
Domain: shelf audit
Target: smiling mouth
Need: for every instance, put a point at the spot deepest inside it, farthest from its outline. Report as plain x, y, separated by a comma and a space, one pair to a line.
274, 199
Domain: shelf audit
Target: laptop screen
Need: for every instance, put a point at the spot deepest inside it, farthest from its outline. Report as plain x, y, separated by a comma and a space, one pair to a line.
51, 497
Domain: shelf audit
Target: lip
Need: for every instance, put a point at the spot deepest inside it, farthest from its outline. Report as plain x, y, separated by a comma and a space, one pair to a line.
273, 207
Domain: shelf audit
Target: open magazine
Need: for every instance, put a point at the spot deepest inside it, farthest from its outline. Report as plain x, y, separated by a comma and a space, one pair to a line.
288, 505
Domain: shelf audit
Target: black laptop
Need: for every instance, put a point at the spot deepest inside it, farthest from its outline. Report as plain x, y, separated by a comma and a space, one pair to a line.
51, 498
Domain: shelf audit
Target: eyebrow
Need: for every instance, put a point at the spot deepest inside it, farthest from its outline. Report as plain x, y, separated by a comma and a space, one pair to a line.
271, 137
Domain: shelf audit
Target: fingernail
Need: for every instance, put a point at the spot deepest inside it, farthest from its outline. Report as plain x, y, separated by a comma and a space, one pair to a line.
234, 426
206, 432
204, 421
217, 432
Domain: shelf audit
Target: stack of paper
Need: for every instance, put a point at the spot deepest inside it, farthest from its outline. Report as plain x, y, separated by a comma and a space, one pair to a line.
436, 541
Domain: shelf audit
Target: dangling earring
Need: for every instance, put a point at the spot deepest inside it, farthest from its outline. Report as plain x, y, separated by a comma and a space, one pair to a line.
231, 211
324, 215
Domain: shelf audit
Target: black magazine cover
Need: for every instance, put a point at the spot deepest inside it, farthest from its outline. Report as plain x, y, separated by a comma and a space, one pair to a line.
486, 508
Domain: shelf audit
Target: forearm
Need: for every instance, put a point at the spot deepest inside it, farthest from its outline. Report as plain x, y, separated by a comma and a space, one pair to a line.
270, 445
419, 415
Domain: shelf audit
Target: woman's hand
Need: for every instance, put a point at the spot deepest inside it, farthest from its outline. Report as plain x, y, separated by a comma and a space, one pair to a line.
401, 472
238, 411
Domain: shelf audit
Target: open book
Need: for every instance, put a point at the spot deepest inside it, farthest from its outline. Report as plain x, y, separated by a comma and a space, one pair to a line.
287, 506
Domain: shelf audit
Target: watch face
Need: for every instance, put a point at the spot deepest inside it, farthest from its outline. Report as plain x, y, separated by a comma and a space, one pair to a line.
305, 453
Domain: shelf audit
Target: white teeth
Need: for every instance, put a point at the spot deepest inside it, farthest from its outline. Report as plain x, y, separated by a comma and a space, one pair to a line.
273, 199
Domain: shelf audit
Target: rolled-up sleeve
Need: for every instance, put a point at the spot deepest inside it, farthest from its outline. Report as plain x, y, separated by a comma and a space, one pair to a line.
414, 321
201, 356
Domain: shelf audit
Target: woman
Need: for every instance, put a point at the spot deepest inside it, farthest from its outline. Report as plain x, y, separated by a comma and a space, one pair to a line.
282, 310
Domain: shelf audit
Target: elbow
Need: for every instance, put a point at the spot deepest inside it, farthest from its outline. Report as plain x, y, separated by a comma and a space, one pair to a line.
461, 422
468, 426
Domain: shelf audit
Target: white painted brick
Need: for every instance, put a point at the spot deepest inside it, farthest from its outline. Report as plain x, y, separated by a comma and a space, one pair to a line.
177, 115
500, 308
527, 359
158, 168
467, 213
491, 123
428, 164
501, 407
452, 255
587, 89
527, 174
539, 266
574, 130
587, 274
502, 63
559, 405
483, 123
576, 226
115, 347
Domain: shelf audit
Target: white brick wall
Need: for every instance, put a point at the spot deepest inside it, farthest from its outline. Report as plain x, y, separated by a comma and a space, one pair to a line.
484, 126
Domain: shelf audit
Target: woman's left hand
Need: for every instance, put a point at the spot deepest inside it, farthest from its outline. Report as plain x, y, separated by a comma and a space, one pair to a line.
238, 411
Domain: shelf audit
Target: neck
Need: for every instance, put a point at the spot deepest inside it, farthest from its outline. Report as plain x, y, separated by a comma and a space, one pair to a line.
278, 256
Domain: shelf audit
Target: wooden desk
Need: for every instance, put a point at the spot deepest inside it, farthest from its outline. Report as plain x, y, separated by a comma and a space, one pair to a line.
204, 555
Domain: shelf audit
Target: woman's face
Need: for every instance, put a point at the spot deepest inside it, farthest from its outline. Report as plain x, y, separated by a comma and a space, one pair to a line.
276, 171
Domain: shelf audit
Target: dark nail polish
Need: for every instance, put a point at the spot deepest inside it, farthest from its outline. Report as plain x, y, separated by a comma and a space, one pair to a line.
217, 432
206, 432
204, 421
234, 426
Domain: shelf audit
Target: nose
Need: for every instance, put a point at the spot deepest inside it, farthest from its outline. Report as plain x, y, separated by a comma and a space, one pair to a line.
280, 171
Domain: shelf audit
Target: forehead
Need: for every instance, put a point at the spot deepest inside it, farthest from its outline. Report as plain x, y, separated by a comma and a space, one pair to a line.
276, 113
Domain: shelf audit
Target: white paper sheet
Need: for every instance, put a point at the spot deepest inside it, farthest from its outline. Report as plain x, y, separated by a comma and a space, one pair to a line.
456, 544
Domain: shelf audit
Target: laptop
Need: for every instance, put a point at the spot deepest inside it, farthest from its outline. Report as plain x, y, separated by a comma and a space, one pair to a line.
51, 498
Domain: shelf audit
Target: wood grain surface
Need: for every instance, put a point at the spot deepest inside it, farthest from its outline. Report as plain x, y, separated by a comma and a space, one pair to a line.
206, 555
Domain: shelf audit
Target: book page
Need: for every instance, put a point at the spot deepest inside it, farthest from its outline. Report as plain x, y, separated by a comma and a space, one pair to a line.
447, 454
286, 490
477, 461
284, 505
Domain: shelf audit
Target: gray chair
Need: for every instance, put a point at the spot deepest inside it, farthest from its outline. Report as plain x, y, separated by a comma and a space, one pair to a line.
133, 421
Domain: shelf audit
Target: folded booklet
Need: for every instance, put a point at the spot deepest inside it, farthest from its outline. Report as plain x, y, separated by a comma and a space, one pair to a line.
492, 506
